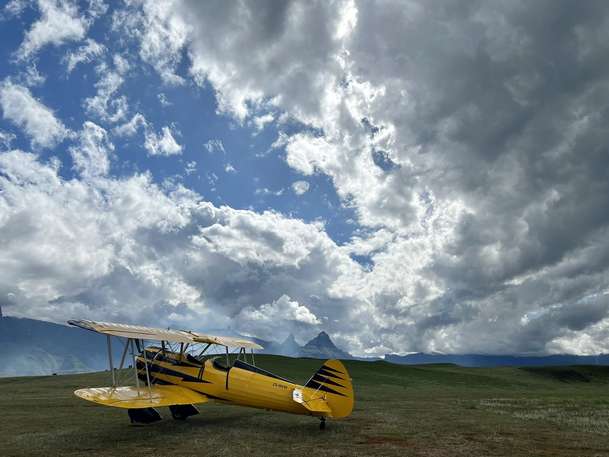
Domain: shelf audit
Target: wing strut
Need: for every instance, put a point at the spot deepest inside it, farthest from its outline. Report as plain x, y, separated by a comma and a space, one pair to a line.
137, 378
120, 367
110, 360
146, 366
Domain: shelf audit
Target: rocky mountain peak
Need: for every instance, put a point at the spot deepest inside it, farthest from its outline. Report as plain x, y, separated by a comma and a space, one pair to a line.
322, 347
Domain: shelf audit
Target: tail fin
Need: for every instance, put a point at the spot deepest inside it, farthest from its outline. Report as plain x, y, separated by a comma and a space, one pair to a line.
333, 380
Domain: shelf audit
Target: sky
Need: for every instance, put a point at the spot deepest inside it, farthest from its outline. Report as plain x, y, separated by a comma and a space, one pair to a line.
405, 175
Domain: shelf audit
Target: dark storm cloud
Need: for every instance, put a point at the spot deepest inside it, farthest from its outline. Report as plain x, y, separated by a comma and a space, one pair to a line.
508, 106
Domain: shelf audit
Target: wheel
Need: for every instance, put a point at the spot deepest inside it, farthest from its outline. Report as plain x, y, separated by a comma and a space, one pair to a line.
182, 412
143, 415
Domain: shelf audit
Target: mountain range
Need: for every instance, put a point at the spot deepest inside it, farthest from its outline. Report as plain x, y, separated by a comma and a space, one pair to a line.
320, 347
485, 360
33, 347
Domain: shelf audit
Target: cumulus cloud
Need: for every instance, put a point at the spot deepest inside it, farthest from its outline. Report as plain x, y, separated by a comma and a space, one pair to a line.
33, 117
31, 77
300, 187
91, 153
274, 320
261, 121
105, 105
84, 54
279, 33
163, 144
162, 36
59, 23
131, 127
163, 256
214, 145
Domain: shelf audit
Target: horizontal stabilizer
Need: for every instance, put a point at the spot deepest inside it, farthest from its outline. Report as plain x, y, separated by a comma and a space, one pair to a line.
314, 404
131, 397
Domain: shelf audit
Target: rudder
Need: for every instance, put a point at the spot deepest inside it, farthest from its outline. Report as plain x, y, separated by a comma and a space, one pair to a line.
334, 381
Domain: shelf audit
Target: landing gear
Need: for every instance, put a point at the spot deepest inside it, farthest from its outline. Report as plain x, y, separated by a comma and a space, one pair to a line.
143, 415
322, 423
181, 412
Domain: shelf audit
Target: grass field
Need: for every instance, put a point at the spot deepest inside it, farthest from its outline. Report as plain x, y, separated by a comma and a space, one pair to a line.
439, 410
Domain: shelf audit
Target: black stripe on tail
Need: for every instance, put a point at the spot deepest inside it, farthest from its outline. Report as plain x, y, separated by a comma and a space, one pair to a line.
321, 380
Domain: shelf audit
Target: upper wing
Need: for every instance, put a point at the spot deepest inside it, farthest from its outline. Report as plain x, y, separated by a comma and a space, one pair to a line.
131, 397
139, 332
225, 341
135, 331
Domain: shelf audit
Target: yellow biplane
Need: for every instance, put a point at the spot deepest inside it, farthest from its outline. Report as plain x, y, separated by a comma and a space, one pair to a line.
181, 371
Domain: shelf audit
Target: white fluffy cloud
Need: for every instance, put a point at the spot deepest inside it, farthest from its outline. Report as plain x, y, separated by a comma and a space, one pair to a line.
273, 319
163, 38
86, 53
316, 32
105, 104
142, 253
131, 127
91, 154
300, 187
157, 144
36, 119
32, 77
214, 145
163, 144
59, 22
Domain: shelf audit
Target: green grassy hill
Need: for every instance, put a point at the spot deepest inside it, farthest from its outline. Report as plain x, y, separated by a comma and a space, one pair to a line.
432, 410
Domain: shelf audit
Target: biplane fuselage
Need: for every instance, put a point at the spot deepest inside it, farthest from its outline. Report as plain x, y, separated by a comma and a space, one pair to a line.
245, 384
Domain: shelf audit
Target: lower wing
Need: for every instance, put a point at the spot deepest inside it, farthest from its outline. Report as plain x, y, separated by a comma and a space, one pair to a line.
131, 397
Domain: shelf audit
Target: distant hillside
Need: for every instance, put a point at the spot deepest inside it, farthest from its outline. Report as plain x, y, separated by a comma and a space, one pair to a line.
481, 360
33, 347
